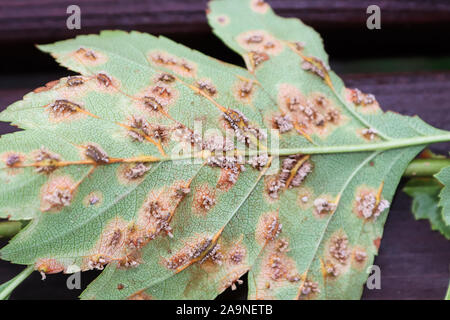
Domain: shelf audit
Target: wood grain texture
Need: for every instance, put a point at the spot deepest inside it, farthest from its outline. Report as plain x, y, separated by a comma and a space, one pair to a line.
414, 260
42, 20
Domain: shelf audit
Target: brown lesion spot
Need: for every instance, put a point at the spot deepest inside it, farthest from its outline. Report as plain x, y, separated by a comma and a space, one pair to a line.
197, 249
90, 57
269, 228
260, 41
132, 172
63, 108
223, 20
176, 64
312, 114
259, 6
294, 170
365, 103
359, 257
368, 204
277, 270
156, 99
12, 159
46, 159
207, 87
94, 152
141, 295
57, 193
337, 254
244, 90
324, 205
93, 199
204, 199
237, 254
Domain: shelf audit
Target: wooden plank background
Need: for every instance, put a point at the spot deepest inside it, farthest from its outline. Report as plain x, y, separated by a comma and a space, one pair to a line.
414, 260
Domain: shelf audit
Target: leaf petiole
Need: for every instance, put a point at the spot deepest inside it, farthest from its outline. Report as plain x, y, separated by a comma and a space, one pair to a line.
7, 288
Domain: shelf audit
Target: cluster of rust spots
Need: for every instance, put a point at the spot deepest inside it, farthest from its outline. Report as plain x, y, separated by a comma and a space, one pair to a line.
308, 288
369, 205
13, 159
315, 66
207, 87
237, 255
331, 269
337, 255
114, 245
276, 269
178, 65
258, 57
57, 193
361, 99
139, 128
157, 212
243, 131
136, 171
104, 79
48, 266
260, 45
324, 206
166, 78
74, 81
231, 167
63, 108
294, 170
47, 160
283, 123
312, 114
97, 154
245, 89
369, 133
87, 54
204, 199
217, 143
359, 255
98, 262
198, 250
159, 96
259, 161
339, 248
272, 228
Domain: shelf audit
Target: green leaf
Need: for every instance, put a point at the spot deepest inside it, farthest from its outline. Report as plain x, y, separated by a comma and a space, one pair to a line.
425, 194
124, 166
444, 177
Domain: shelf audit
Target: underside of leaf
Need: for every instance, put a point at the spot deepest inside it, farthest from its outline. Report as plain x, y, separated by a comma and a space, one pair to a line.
178, 173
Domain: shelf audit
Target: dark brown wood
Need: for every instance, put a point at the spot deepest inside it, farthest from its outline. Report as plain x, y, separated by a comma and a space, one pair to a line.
22, 20
414, 260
